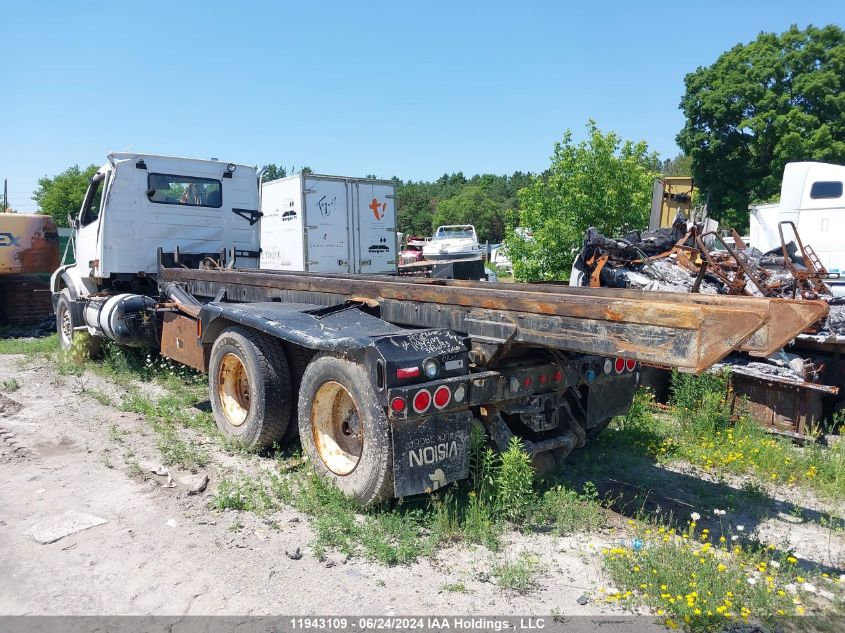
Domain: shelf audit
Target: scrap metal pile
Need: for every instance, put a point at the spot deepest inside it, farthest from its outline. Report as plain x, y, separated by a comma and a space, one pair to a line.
685, 258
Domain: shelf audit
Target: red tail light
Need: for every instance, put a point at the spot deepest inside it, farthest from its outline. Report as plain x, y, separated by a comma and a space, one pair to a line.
407, 372
630, 364
422, 401
398, 404
619, 365
558, 375
526, 382
442, 396
543, 379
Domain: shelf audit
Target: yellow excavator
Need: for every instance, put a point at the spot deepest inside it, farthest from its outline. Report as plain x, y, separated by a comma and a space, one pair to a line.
29, 253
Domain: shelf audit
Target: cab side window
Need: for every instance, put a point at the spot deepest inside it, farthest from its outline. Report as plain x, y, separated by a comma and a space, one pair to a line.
826, 189
184, 190
93, 197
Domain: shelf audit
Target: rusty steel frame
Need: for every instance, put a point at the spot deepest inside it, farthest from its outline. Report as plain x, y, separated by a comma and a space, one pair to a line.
689, 332
810, 279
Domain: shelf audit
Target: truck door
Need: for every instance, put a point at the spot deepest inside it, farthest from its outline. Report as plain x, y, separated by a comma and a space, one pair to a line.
375, 227
88, 226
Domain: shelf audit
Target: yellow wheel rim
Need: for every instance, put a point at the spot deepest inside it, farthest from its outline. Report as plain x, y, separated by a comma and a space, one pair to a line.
337, 430
233, 383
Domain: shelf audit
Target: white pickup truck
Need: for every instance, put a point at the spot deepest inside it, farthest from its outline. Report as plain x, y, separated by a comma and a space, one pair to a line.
811, 197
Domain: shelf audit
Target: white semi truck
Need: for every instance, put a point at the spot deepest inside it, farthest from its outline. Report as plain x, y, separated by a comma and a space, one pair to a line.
813, 199
378, 376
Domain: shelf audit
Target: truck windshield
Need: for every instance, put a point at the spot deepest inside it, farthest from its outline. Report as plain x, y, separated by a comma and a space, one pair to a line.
453, 232
184, 190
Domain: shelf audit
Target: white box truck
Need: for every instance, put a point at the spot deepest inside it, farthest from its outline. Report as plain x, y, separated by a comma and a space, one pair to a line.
333, 224
812, 196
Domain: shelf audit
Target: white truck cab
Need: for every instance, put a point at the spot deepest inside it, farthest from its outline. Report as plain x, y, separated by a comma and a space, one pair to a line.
138, 203
142, 208
811, 197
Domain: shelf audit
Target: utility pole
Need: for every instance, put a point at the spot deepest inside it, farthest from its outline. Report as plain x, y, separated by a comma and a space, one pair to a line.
5, 195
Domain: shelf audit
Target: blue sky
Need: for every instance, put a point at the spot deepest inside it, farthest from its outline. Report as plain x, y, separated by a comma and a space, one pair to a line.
412, 89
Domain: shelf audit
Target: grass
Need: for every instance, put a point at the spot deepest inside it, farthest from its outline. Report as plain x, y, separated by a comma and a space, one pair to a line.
30, 346
501, 494
701, 430
704, 581
10, 384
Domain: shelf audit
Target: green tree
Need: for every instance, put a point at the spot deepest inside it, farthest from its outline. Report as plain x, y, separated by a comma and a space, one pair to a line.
604, 182
273, 172
681, 165
415, 204
474, 206
760, 105
62, 194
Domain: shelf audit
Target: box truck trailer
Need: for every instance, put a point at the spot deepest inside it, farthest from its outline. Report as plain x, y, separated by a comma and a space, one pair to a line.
328, 224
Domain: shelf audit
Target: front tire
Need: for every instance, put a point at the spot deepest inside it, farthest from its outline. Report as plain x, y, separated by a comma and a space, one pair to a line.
250, 387
344, 430
64, 320
70, 337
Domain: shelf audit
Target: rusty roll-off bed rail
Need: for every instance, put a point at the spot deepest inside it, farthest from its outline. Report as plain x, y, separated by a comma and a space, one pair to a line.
687, 332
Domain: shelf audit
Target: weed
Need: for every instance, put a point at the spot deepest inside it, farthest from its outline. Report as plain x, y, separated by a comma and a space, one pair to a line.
513, 482
242, 495
518, 575
67, 365
702, 583
163, 414
174, 450
116, 434
236, 526
236, 446
570, 512
229, 496
478, 524
455, 587
10, 384
133, 468
100, 396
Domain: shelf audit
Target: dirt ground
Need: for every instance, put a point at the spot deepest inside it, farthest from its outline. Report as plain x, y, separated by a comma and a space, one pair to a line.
150, 547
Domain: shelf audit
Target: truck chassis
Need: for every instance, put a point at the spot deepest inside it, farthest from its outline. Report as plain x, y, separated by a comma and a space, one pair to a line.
382, 377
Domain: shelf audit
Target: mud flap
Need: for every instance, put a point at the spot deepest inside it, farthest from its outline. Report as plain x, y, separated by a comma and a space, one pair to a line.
610, 396
430, 452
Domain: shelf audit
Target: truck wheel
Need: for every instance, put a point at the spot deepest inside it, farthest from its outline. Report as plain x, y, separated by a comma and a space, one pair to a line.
64, 320
69, 336
249, 384
344, 430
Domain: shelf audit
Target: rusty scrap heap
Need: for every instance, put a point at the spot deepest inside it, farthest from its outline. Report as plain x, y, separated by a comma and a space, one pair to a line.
682, 259
787, 391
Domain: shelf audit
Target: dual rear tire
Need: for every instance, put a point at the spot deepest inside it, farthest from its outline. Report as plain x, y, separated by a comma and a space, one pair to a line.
341, 426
